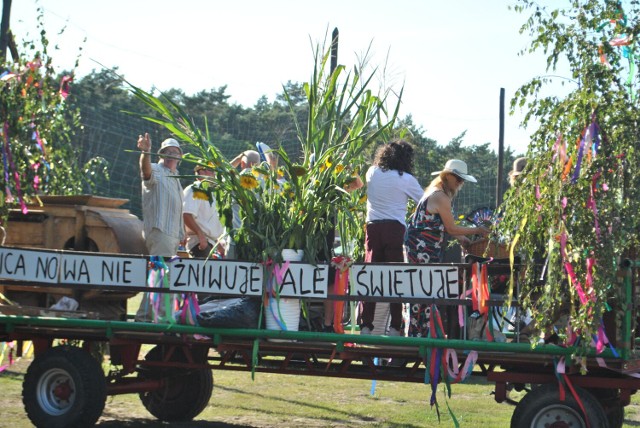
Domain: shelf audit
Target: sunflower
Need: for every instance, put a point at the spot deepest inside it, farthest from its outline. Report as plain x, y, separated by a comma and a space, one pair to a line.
199, 194
248, 181
203, 190
298, 170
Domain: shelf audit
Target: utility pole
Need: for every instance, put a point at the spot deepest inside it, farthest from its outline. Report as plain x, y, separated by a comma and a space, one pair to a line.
334, 50
4, 29
499, 190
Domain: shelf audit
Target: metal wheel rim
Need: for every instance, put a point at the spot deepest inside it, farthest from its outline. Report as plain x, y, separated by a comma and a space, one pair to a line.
48, 400
558, 416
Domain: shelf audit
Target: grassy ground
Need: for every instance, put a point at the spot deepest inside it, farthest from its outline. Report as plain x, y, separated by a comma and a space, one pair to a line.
294, 401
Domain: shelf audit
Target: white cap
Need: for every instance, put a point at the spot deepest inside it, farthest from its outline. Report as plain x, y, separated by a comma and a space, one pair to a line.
169, 142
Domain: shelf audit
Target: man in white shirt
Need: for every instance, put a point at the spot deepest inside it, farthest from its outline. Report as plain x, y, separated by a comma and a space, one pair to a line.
161, 210
201, 217
161, 197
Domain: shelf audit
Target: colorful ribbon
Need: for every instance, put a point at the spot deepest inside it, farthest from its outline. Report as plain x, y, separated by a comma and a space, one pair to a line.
340, 287
272, 301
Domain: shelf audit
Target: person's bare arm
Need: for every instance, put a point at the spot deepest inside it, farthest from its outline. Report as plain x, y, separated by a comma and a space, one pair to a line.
354, 184
235, 162
192, 225
144, 145
440, 203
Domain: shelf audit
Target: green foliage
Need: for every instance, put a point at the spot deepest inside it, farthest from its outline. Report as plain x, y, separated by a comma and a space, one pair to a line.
298, 204
345, 117
592, 208
36, 128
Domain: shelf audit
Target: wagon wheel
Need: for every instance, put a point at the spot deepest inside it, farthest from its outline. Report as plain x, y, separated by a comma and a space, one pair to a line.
185, 393
542, 407
65, 386
610, 400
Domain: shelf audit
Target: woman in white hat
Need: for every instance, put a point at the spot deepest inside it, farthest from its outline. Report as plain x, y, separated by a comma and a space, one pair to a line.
432, 218
518, 168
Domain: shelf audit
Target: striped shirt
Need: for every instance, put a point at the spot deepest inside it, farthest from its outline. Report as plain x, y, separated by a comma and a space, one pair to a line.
162, 202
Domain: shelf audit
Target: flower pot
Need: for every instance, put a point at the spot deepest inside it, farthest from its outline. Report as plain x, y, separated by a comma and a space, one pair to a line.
284, 313
292, 255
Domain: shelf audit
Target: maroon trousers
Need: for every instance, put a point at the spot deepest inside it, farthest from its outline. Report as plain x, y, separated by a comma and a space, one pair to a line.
383, 242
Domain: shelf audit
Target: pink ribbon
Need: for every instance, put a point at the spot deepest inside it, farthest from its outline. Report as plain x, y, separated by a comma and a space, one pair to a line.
64, 86
16, 176
576, 283
460, 375
591, 203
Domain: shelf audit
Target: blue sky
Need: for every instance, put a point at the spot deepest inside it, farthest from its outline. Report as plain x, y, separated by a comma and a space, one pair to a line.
452, 56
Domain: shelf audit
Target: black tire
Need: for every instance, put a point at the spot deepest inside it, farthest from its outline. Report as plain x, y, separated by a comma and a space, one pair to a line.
64, 387
542, 407
610, 401
185, 394
615, 415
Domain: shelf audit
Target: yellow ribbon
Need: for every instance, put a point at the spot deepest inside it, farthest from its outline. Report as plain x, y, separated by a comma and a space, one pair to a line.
512, 248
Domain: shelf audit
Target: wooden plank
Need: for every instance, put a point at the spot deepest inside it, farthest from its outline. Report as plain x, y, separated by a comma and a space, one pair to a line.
88, 200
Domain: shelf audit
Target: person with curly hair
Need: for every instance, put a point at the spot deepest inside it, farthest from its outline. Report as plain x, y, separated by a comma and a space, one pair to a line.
390, 185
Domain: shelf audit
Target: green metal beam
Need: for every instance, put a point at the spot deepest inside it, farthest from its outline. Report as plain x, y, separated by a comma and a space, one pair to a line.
112, 327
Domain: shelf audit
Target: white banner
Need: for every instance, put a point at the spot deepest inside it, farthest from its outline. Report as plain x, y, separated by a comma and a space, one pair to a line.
304, 280
216, 276
405, 280
391, 280
29, 265
85, 269
72, 268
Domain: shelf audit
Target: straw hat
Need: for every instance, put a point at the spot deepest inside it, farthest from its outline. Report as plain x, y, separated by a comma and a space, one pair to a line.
459, 168
518, 167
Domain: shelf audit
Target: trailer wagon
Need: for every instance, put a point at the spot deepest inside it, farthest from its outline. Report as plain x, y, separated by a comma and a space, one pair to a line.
66, 385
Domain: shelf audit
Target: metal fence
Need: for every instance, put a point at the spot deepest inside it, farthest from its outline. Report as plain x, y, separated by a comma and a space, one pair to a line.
109, 135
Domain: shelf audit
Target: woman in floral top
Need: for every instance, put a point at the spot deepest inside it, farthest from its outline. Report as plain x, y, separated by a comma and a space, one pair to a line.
425, 232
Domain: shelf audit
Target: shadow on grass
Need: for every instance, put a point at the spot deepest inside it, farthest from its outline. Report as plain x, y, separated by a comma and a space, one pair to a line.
143, 423
340, 417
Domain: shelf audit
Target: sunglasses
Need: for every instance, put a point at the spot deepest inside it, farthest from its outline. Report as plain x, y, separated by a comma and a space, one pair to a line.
172, 153
458, 179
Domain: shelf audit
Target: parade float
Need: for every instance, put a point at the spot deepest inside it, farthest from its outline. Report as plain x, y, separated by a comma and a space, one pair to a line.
570, 220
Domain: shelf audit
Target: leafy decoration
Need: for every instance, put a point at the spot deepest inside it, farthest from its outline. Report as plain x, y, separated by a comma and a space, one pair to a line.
573, 213
36, 129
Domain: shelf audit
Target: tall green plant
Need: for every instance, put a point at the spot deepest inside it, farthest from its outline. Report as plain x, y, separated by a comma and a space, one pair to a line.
573, 215
299, 203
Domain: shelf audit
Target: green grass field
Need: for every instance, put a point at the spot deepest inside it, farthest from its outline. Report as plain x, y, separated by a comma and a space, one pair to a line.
273, 400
